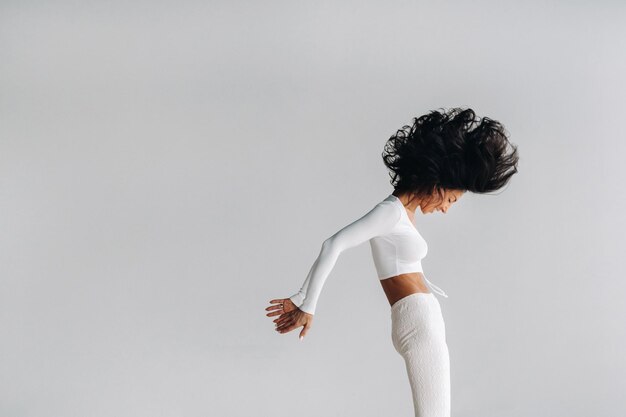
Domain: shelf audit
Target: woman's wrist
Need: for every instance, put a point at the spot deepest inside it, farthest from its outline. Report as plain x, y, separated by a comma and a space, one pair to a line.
297, 299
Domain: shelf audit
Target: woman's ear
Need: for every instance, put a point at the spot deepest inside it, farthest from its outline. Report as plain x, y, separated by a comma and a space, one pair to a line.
440, 194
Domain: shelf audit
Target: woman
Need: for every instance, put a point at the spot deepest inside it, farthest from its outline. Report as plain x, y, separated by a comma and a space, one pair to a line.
433, 163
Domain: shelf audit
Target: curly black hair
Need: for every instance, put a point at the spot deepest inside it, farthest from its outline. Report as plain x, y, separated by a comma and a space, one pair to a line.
450, 149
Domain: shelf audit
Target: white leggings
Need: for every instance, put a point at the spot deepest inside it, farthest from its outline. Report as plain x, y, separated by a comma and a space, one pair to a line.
418, 333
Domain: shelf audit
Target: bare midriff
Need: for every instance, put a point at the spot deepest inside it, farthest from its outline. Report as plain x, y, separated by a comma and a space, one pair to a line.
400, 286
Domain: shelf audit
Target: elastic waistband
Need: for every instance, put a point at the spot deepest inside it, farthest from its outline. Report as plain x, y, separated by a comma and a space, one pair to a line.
409, 298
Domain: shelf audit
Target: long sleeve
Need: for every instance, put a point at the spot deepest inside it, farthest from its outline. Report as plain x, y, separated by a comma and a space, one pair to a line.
379, 220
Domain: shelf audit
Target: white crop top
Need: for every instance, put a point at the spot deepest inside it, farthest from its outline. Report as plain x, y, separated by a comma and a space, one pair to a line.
397, 248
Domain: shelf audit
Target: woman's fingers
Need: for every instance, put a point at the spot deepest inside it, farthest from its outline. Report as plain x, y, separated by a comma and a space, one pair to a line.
282, 318
287, 320
287, 328
286, 324
275, 309
305, 330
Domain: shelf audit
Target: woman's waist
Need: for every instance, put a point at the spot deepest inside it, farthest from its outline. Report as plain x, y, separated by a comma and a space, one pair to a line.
399, 286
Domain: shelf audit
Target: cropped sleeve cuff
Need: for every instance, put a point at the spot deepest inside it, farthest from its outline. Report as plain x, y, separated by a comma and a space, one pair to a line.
309, 309
297, 299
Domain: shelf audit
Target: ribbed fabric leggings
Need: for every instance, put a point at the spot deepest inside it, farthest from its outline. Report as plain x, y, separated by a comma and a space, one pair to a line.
418, 333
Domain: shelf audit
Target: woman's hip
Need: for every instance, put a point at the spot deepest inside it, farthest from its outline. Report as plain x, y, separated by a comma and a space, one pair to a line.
417, 323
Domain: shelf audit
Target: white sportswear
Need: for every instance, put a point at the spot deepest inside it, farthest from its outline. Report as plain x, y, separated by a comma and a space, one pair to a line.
397, 248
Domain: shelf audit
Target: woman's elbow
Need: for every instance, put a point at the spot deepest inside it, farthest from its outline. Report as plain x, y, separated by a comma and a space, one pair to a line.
333, 244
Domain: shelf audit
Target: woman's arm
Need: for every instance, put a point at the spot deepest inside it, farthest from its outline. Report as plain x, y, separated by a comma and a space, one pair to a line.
379, 220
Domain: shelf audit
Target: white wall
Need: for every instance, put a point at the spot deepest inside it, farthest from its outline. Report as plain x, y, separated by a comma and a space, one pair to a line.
167, 169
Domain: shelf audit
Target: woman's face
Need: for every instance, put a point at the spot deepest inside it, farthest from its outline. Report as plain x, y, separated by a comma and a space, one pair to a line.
441, 200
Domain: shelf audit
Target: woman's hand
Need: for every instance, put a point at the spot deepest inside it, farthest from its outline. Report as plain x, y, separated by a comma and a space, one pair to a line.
291, 317
284, 305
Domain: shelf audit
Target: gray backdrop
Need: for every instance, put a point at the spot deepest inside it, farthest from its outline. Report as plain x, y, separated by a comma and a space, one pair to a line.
167, 168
